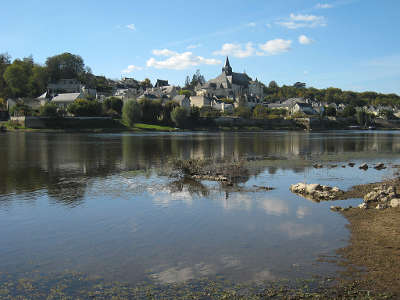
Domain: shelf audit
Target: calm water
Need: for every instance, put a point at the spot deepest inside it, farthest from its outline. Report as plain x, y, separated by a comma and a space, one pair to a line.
103, 204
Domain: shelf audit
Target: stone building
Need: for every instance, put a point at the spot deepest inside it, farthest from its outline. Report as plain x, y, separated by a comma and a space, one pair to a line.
236, 86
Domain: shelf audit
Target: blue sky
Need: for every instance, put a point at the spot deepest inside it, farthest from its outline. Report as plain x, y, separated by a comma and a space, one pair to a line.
350, 44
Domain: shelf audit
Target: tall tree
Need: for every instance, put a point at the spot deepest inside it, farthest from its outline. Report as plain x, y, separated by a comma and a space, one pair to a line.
65, 65
5, 61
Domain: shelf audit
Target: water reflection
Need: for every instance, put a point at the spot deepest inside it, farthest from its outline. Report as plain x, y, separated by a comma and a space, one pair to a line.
64, 163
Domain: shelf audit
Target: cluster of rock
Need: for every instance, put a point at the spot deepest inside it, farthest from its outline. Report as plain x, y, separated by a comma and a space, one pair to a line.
316, 191
211, 177
381, 197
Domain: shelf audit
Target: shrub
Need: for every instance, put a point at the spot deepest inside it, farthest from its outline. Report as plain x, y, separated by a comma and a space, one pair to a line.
243, 112
113, 103
131, 112
260, 112
49, 110
85, 108
330, 111
180, 117
151, 110
21, 110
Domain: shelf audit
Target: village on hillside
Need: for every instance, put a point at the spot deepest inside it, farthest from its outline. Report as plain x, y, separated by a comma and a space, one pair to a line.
230, 95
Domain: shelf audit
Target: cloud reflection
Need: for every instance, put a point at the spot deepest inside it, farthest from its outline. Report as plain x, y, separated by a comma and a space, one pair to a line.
298, 230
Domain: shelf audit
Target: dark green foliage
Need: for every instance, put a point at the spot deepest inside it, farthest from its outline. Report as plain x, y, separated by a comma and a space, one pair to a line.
151, 110
167, 108
349, 111
5, 61
197, 79
209, 112
25, 79
180, 117
85, 108
330, 111
113, 103
387, 114
131, 113
187, 93
65, 66
49, 110
243, 112
260, 112
21, 110
363, 118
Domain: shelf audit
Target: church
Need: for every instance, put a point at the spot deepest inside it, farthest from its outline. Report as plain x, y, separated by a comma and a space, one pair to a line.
238, 87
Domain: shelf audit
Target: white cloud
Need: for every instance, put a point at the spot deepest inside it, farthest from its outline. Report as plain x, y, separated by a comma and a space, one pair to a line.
179, 61
236, 50
269, 25
304, 40
274, 47
251, 24
164, 52
301, 21
194, 46
324, 5
130, 69
131, 27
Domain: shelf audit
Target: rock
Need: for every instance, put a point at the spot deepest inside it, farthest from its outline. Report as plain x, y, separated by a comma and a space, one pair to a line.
316, 191
380, 166
363, 205
395, 202
311, 188
363, 167
336, 208
298, 188
351, 164
370, 197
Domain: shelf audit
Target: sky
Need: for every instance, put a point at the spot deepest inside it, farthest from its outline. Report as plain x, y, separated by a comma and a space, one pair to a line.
349, 44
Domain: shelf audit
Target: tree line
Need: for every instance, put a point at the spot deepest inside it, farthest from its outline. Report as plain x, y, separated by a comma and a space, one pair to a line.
275, 93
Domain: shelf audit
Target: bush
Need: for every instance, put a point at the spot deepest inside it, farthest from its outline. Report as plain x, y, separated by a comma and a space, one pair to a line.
21, 110
209, 112
85, 108
330, 111
260, 112
131, 112
114, 104
180, 117
243, 112
349, 111
48, 110
151, 110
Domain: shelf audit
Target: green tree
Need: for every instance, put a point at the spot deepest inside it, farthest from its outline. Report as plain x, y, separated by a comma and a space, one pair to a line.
349, 111
180, 117
187, 93
131, 112
65, 65
151, 110
5, 61
260, 112
330, 111
114, 104
85, 108
21, 109
17, 76
167, 108
49, 110
243, 112
146, 83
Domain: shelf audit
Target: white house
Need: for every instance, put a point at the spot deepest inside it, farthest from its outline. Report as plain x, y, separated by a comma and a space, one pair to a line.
63, 100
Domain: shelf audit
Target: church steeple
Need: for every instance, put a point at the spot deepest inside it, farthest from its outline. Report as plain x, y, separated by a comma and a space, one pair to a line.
227, 69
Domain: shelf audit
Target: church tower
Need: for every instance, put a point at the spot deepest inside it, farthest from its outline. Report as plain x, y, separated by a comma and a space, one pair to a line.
227, 69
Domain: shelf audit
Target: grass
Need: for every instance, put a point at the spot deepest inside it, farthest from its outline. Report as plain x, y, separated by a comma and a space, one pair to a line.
152, 127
